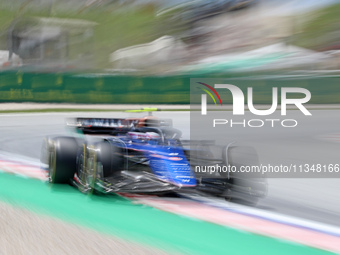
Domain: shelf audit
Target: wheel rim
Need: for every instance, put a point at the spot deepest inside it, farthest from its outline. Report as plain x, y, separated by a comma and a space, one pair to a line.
52, 164
86, 170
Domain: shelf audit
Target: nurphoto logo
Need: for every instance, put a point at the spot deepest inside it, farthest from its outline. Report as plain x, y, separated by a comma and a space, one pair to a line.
239, 104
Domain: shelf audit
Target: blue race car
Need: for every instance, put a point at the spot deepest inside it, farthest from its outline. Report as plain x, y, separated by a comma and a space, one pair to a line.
146, 155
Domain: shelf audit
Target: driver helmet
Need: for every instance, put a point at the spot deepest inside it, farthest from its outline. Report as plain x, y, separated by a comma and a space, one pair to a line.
152, 137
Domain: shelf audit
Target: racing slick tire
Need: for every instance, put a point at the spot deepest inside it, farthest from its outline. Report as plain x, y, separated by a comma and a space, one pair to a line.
97, 161
61, 155
244, 187
110, 157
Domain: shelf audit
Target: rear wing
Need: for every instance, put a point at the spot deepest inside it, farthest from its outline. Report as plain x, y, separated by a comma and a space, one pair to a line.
110, 126
100, 122
114, 126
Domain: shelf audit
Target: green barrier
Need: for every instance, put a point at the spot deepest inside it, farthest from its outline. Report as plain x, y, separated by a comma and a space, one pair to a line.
80, 88
323, 89
18, 86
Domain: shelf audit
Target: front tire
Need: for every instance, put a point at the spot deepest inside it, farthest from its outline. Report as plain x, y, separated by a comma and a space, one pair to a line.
96, 162
61, 158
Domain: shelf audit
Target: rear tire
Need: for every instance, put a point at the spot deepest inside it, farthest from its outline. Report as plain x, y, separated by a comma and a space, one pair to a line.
245, 188
110, 157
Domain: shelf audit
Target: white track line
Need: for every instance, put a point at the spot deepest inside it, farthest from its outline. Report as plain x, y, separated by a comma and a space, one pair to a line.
272, 216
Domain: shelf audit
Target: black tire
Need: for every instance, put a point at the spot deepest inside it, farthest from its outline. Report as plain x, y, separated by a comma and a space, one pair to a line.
62, 155
98, 160
245, 188
110, 157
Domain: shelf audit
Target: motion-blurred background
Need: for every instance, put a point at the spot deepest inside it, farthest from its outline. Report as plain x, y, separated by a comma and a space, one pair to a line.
145, 52
84, 50
177, 37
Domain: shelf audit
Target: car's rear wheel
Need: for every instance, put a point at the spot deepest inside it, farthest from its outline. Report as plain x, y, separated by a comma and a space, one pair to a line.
244, 187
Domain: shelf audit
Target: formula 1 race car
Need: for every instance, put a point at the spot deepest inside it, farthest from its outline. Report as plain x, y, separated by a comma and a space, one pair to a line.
146, 155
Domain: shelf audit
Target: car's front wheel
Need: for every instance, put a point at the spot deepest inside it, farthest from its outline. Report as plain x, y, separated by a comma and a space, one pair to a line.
60, 154
96, 162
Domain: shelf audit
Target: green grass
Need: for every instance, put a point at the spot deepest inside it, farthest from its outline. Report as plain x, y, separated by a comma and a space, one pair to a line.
317, 32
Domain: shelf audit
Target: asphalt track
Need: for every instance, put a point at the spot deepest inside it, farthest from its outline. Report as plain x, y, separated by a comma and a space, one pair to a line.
310, 198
